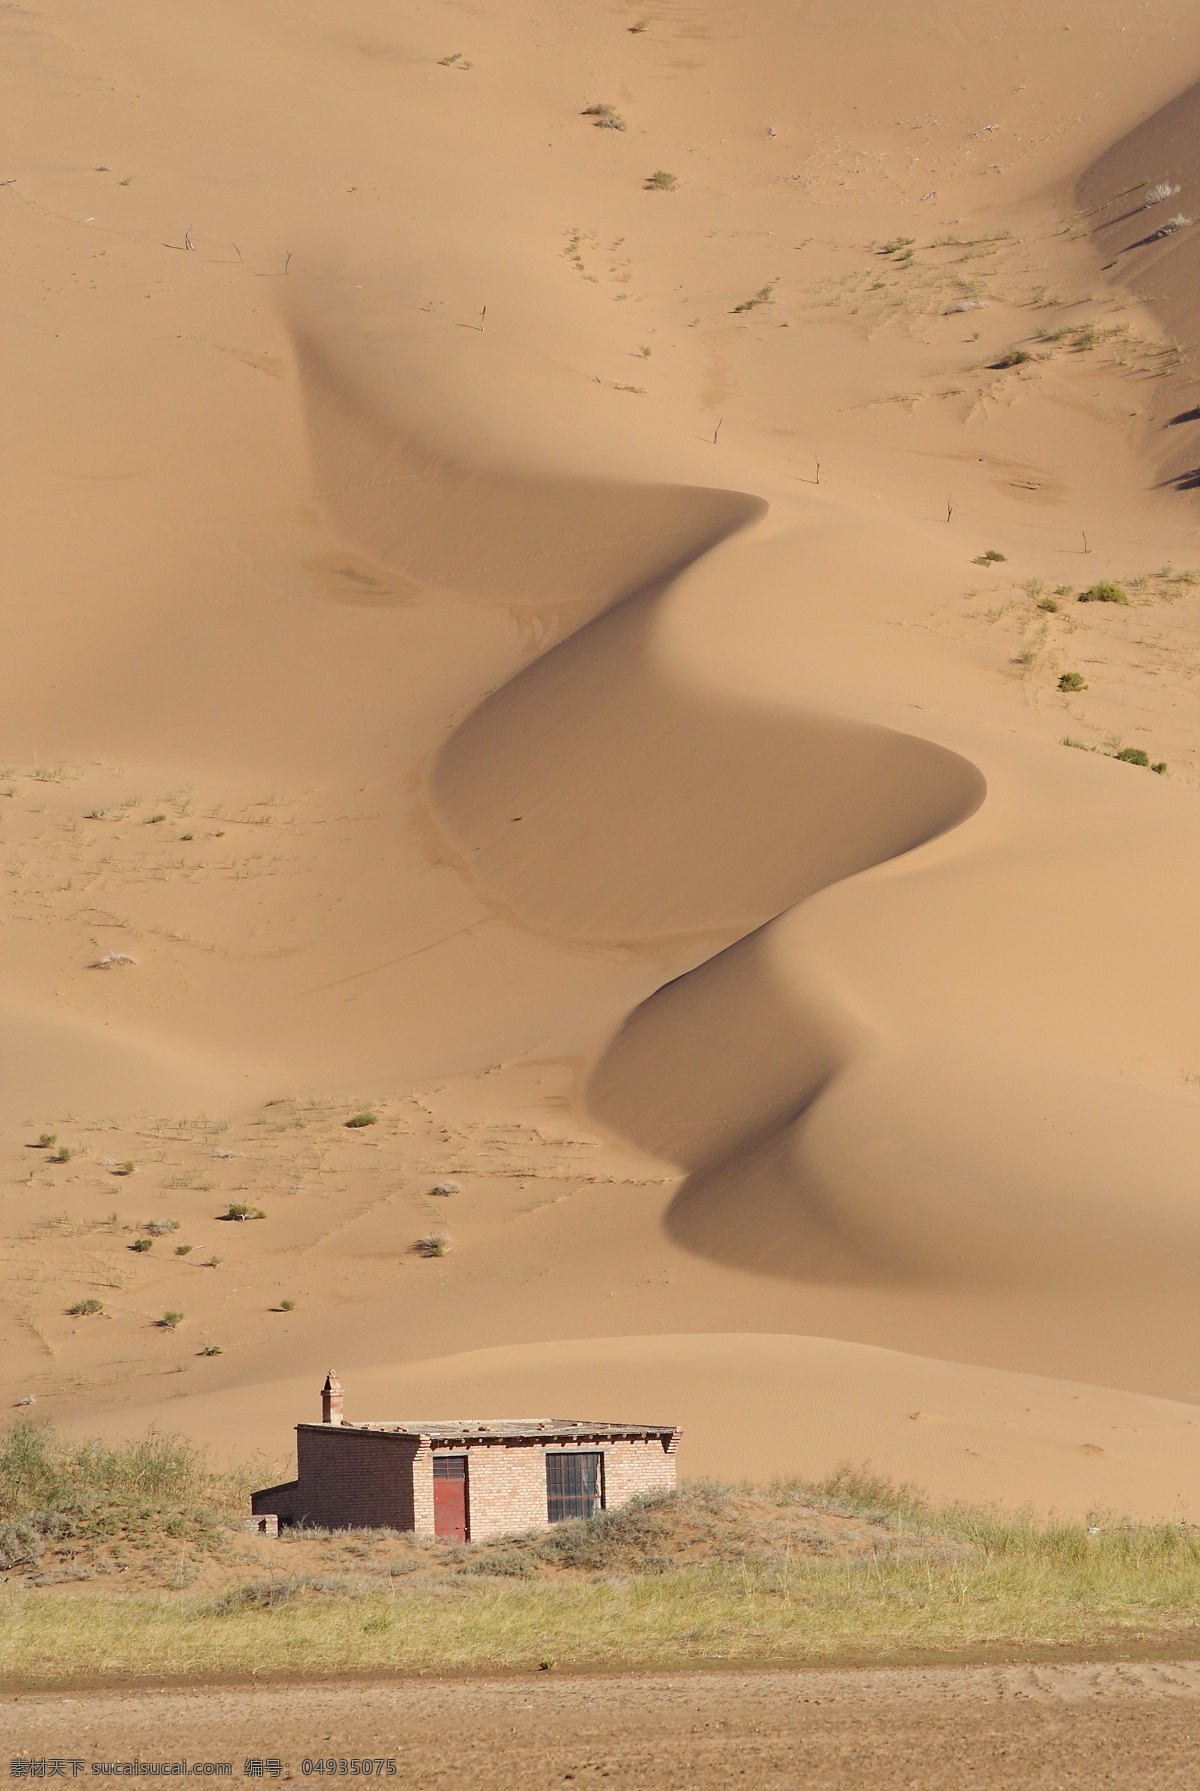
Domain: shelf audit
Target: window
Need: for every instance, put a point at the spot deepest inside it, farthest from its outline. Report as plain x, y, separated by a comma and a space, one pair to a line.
574, 1486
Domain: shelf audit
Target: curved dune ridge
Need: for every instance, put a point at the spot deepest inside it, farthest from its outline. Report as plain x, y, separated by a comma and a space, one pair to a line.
602, 797
609, 794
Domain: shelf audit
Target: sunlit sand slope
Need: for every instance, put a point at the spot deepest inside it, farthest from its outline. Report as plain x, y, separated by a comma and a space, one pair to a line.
763, 1406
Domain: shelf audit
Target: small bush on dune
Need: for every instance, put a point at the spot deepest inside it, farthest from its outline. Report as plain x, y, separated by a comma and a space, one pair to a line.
1132, 755
1072, 681
661, 182
1015, 357
85, 1308
607, 117
989, 558
364, 1118
1103, 593
435, 1243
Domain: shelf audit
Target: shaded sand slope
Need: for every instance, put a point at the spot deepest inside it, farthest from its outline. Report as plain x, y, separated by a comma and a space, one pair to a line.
1142, 199
766, 1406
293, 716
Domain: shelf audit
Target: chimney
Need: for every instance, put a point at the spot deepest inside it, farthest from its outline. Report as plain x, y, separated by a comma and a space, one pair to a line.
331, 1399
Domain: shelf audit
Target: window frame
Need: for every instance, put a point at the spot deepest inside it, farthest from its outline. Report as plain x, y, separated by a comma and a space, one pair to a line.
554, 1495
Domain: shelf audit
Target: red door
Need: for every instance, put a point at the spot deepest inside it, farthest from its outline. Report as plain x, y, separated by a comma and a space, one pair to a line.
450, 1497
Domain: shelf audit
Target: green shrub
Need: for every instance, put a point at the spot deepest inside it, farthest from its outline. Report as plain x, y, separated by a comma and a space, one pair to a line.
1161, 767
761, 297
435, 1243
171, 1321
991, 557
661, 182
1072, 681
1103, 593
1015, 357
84, 1308
238, 1209
141, 1245
1132, 755
47, 1139
362, 1119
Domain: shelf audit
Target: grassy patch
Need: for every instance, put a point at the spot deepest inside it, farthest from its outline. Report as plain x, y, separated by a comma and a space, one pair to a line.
852, 1568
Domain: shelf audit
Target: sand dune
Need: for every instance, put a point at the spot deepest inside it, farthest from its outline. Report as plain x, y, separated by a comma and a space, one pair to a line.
778, 1406
517, 646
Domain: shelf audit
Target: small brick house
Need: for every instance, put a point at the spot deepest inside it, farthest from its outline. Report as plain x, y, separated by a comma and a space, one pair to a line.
464, 1479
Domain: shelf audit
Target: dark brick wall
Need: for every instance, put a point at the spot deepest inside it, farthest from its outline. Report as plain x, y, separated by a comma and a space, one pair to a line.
354, 1479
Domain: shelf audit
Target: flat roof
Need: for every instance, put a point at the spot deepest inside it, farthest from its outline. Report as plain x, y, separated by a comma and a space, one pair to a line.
502, 1429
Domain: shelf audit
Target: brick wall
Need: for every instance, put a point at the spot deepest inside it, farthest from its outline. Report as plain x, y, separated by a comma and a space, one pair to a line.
506, 1488
357, 1479
637, 1467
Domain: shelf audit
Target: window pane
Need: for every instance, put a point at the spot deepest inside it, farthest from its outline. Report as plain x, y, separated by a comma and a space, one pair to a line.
573, 1486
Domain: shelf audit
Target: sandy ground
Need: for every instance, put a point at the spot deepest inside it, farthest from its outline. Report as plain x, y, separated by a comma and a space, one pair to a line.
502, 642
924, 1729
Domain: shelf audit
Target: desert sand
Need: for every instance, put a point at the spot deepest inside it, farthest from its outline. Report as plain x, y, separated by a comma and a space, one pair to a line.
569, 665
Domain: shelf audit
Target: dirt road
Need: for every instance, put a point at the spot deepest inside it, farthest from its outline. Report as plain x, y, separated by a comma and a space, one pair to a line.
924, 1729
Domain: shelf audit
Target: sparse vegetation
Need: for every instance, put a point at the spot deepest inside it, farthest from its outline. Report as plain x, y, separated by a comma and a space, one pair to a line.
183, 1249
141, 1245
1013, 357
171, 1321
47, 1140
990, 558
210, 1349
1132, 755
85, 1308
287, 1305
1162, 189
1072, 681
1103, 593
848, 1569
661, 182
158, 1228
239, 1210
434, 1243
365, 1118
62, 1155
606, 118
897, 245
761, 297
